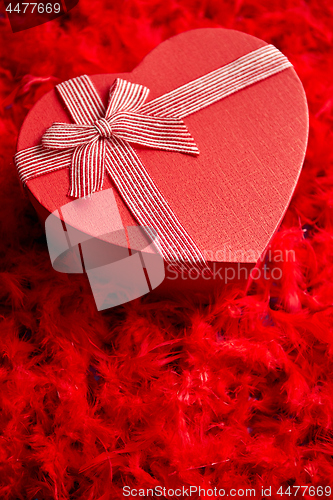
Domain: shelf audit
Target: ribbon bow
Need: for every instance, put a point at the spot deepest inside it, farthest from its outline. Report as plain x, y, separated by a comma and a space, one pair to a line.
101, 139
92, 142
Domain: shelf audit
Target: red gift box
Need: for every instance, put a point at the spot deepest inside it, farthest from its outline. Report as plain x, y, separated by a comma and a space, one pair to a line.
230, 198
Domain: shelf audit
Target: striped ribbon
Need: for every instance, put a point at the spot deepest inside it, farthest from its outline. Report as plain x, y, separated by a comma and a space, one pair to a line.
101, 140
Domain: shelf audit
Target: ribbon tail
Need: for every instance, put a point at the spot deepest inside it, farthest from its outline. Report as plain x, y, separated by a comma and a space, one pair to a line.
37, 161
87, 169
149, 206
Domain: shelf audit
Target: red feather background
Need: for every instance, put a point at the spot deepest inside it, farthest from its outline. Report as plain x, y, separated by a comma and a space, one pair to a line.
236, 393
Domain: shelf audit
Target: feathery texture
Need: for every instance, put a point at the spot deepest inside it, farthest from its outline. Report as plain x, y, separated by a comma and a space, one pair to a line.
237, 392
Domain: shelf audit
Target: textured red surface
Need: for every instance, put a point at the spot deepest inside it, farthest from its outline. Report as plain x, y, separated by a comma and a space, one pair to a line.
232, 197
234, 393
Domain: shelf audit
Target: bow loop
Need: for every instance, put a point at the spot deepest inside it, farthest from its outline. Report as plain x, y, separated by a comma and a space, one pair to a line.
167, 134
125, 96
123, 120
68, 135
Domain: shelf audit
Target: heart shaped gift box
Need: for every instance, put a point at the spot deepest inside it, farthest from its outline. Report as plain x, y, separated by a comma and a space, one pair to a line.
246, 114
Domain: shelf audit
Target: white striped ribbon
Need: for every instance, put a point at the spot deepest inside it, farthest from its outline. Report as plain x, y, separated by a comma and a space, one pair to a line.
101, 139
